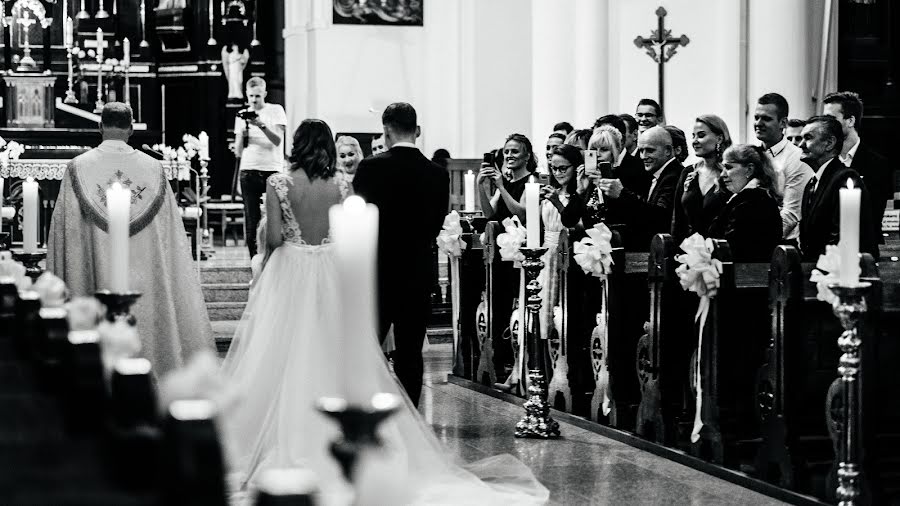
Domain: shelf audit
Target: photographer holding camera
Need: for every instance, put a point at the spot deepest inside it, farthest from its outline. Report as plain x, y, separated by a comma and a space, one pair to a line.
259, 131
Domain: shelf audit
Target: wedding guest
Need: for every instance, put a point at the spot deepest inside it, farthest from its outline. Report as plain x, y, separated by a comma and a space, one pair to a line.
563, 127
171, 315
349, 155
769, 122
587, 206
653, 215
648, 114
555, 139
441, 157
378, 145
521, 163
794, 131
580, 138
631, 133
750, 220
260, 151
628, 167
873, 168
679, 142
823, 138
698, 196
555, 198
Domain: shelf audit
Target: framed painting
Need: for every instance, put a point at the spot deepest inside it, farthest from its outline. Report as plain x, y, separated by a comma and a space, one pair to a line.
378, 12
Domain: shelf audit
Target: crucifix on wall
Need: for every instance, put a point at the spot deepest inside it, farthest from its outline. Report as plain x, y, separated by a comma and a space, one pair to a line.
661, 46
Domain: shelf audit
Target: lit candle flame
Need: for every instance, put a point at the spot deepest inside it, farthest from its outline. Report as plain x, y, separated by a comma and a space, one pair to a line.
850, 184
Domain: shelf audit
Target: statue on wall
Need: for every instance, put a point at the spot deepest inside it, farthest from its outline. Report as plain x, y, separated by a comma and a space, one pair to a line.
234, 61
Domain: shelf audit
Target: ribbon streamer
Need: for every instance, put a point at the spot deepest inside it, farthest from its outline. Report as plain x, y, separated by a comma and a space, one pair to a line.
594, 253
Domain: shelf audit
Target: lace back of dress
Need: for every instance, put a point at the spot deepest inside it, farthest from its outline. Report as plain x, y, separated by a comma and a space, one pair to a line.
290, 229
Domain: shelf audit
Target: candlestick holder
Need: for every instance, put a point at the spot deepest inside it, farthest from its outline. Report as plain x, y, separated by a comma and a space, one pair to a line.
537, 422
359, 426
83, 13
70, 78
101, 13
144, 42
98, 105
204, 240
212, 14
118, 305
31, 261
850, 307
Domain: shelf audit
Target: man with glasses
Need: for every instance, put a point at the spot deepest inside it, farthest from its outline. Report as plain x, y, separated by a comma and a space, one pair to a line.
648, 114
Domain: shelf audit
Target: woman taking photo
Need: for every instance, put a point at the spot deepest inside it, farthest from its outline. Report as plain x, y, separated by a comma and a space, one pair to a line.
520, 162
349, 154
698, 197
750, 220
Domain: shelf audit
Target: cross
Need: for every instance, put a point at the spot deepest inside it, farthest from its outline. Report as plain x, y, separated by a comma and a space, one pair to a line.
661, 46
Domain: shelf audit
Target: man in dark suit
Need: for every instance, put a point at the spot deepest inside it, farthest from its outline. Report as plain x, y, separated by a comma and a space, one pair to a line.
820, 225
847, 108
412, 194
653, 215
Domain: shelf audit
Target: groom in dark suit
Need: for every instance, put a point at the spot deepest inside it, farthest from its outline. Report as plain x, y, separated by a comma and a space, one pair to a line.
412, 195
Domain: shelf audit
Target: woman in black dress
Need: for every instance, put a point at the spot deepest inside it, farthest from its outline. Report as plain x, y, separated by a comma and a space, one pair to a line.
750, 220
698, 195
520, 163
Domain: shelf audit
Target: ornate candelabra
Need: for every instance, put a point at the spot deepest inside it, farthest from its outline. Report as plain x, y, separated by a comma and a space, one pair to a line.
359, 427
31, 260
850, 307
537, 422
204, 242
98, 105
118, 305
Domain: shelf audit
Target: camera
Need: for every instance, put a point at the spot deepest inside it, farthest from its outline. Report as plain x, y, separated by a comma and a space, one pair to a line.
247, 114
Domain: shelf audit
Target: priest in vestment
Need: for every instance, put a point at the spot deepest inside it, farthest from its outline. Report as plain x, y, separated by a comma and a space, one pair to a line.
172, 321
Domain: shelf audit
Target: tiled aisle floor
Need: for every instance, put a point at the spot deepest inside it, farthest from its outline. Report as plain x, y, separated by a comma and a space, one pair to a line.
581, 467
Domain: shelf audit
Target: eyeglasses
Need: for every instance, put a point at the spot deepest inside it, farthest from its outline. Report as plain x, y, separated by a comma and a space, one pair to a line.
560, 169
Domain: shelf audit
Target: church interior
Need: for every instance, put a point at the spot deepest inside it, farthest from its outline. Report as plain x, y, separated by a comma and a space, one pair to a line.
598, 388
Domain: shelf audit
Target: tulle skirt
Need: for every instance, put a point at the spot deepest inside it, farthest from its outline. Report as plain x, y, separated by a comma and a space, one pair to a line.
286, 354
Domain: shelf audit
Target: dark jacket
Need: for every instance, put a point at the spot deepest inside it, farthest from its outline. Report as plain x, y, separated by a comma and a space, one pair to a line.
633, 175
695, 211
751, 223
878, 175
821, 213
412, 194
645, 218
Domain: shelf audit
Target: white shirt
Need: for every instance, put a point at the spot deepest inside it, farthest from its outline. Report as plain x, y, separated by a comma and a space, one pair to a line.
791, 174
621, 157
820, 172
404, 145
656, 177
848, 158
260, 153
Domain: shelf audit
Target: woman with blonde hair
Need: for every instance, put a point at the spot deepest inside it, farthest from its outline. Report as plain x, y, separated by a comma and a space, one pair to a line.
698, 196
349, 154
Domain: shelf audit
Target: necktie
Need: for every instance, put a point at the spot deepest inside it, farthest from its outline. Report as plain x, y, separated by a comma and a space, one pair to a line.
811, 193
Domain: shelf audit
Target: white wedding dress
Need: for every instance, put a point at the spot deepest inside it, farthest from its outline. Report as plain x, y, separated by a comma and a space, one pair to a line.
284, 357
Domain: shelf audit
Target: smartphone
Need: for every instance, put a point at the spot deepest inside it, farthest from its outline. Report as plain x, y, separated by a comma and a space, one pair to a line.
590, 161
488, 158
606, 171
542, 179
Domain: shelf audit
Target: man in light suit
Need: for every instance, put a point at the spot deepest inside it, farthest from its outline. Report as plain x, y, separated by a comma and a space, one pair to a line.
412, 194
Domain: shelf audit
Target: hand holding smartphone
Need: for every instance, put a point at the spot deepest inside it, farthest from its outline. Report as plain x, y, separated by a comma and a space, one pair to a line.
605, 169
590, 162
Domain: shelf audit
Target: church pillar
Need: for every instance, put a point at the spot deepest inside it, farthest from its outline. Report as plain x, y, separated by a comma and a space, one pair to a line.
553, 68
778, 59
303, 19
591, 47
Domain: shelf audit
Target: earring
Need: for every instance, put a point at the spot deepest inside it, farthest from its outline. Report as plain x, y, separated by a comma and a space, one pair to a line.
719, 147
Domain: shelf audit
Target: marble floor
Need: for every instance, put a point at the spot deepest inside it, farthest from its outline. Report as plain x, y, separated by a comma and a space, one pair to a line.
581, 467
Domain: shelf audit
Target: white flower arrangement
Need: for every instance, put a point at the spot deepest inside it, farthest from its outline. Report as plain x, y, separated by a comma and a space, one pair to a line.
594, 253
11, 150
13, 272
449, 240
510, 242
827, 272
699, 272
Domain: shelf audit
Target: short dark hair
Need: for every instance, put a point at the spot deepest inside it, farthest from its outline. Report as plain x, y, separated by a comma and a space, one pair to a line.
851, 104
575, 158
780, 103
400, 117
796, 123
557, 135
831, 127
629, 120
654, 103
679, 140
613, 121
313, 149
565, 126
440, 157
117, 115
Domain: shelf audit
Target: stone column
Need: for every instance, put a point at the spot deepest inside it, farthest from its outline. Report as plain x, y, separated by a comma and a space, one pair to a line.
591, 46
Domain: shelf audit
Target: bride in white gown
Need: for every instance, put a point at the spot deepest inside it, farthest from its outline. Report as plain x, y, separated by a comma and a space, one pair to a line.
285, 356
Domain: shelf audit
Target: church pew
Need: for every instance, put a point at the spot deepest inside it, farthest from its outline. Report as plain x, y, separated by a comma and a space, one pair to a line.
799, 448
559, 388
472, 323
662, 364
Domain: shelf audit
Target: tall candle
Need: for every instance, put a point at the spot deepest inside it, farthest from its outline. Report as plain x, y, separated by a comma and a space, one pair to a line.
469, 191
29, 215
99, 44
126, 52
849, 238
204, 145
70, 30
533, 213
118, 211
354, 233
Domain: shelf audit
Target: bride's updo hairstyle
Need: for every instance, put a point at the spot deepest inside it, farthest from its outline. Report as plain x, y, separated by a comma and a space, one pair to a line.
313, 149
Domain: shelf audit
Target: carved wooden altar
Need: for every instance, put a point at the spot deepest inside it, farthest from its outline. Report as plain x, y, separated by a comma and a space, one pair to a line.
30, 100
